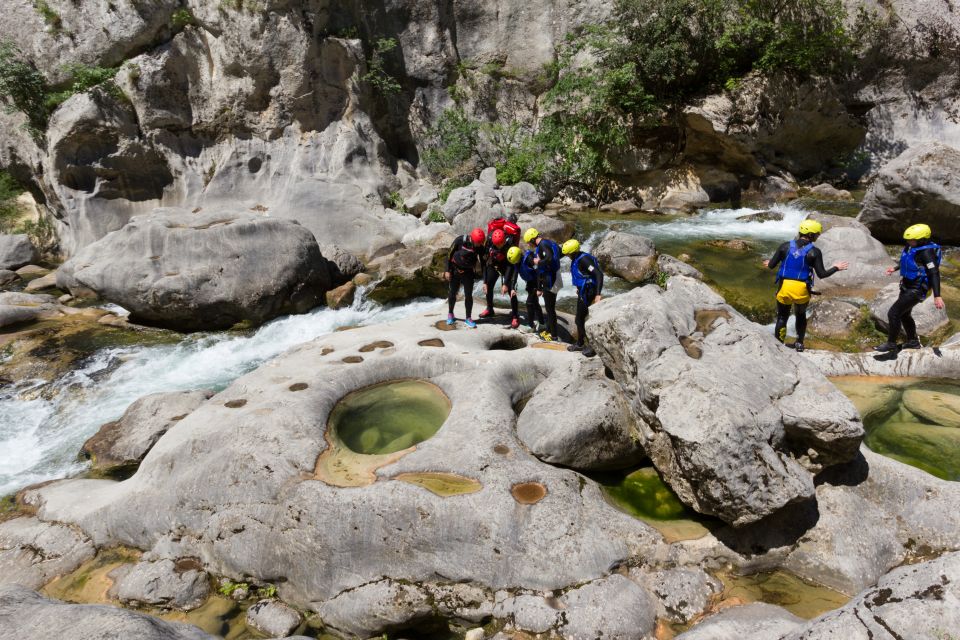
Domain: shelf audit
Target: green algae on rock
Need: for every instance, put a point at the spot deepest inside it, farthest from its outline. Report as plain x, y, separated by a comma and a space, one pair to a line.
441, 484
783, 589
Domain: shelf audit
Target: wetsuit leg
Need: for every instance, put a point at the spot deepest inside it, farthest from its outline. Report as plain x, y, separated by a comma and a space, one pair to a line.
899, 314
583, 310
490, 275
550, 302
514, 306
780, 328
467, 279
534, 312
454, 288
800, 311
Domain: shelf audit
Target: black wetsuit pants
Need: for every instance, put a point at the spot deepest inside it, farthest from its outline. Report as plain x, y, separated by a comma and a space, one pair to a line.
490, 276
456, 278
584, 300
550, 303
783, 314
900, 314
534, 311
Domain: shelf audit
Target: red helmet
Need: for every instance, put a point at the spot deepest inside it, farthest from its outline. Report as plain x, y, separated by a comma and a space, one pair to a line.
498, 237
477, 236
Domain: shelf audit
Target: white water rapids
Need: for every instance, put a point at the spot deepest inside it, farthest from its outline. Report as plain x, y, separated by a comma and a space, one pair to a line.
41, 433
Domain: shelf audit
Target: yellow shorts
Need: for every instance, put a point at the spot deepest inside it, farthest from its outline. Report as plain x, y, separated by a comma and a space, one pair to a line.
793, 292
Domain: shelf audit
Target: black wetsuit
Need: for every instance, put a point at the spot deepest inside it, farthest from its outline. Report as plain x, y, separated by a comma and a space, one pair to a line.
814, 260
461, 261
590, 270
495, 265
912, 293
534, 311
545, 283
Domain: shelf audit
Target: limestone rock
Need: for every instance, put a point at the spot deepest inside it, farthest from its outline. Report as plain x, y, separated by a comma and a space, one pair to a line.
414, 270
343, 264
929, 319
27, 614
682, 594
522, 196
771, 190
42, 283
124, 443
486, 206
829, 192
673, 267
631, 256
737, 446
375, 608
7, 277
756, 621
833, 318
32, 553
489, 177
210, 270
16, 251
920, 185
674, 190
556, 229
621, 206
867, 257
32, 270
273, 618
762, 216
11, 314
421, 199
940, 406
914, 601
458, 201
580, 419
342, 296
165, 584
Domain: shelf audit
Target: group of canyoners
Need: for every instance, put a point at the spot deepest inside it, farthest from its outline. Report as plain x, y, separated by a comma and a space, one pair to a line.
499, 255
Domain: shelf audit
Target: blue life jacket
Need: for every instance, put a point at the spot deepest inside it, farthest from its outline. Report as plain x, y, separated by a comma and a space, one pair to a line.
526, 268
910, 270
551, 275
579, 278
794, 266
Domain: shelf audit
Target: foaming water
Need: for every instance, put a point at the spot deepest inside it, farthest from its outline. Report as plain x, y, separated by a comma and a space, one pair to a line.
723, 223
42, 427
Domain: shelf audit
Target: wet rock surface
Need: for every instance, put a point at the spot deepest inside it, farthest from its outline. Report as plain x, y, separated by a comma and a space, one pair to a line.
273, 618
757, 621
33, 552
631, 256
16, 251
164, 584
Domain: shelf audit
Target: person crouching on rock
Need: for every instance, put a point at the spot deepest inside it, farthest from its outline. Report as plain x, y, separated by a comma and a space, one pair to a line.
549, 281
461, 262
588, 279
510, 277
798, 260
919, 273
504, 234
527, 271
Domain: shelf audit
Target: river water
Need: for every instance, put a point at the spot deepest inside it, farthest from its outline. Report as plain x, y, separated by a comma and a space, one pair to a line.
42, 426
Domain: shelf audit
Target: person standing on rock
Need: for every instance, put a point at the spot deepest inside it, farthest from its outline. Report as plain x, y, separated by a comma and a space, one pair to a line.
504, 234
461, 262
549, 281
527, 271
798, 260
510, 277
919, 273
588, 279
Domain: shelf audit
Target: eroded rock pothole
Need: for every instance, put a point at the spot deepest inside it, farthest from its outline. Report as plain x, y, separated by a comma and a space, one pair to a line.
528, 492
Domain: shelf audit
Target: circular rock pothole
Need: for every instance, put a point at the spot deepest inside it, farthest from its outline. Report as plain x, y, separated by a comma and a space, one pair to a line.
235, 404
528, 492
298, 386
508, 343
353, 359
379, 344
431, 342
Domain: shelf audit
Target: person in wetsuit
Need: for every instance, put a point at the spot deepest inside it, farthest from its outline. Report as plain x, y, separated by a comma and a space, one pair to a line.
588, 279
919, 274
527, 271
510, 277
798, 260
461, 262
549, 281
495, 265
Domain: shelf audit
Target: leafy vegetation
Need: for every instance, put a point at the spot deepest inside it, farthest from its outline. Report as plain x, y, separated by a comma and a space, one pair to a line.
395, 201
49, 15
376, 75
181, 19
83, 78
228, 587
9, 211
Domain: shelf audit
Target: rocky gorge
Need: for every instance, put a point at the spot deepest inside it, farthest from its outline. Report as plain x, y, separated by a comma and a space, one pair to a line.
230, 406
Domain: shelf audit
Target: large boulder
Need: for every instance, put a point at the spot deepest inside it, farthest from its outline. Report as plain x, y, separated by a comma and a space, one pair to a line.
628, 255
922, 184
833, 318
675, 190
32, 553
163, 584
122, 444
25, 614
557, 229
16, 251
416, 269
733, 421
522, 196
756, 621
929, 319
867, 257
273, 618
199, 271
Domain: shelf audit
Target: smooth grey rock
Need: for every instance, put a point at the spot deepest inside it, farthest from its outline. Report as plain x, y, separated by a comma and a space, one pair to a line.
7, 277
421, 199
914, 601
628, 255
11, 315
42, 283
672, 190
673, 267
682, 594
164, 584
25, 615
375, 608
556, 229
739, 446
414, 270
489, 177
16, 251
621, 207
32, 553
125, 442
833, 318
613, 607
343, 264
458, 201
771, 190
32, 270
486, 206
829, 192
523, 196
929, 319
208, 270
867, 257
579, 419
920, 185
762, 216
755, 621
273, 618
20, 299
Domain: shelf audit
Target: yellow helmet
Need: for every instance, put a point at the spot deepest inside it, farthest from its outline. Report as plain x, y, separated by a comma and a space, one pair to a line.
570, 246
513, 255
530, 235
810, 226
917, 232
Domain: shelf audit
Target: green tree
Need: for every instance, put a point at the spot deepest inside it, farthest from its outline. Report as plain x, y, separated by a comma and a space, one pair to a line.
22, 87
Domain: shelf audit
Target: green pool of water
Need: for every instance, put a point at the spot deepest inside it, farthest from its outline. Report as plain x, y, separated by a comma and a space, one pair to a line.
914, 420
389, 417
783, 589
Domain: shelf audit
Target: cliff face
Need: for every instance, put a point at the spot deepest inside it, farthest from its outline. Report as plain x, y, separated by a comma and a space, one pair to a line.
272, 105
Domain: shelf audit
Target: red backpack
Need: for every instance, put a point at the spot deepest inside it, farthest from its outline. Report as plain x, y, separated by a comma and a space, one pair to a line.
509, 228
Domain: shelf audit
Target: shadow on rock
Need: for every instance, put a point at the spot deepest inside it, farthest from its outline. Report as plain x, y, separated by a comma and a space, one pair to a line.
850, 474
781, 529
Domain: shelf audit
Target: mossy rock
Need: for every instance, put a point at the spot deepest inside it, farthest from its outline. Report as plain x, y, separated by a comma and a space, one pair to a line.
939, 405
932, 448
